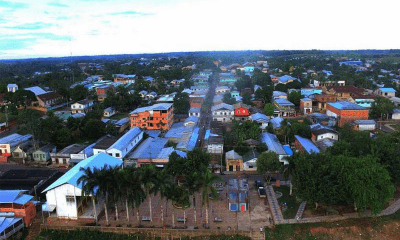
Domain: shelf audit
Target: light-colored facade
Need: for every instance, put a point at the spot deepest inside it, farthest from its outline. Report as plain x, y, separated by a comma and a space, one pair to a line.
82, 106
223, 112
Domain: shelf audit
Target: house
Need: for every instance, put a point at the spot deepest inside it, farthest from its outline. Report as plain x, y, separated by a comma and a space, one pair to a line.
194, 112
364, 125
250, 161
103, 144
65, 194
177, 82
82, 106
396, 114
215, 144
182, 132
63, 157
363, 100
126, 143
221, 89
82, 155
159, 116
279, 94
227, 78
143, 93
342, 93
395, 101
261, 119
320, 132
42, 155
36, 90
122, 124
48, 99
23, 151
386, 92
320, 101
241, 111
103, 90
276, 122
122, 78
108, 112
167, 98
218, 99
248, 67
234, 162
8, 143
286, 79
305, 105
222, 112
274, 78
310, 91
273, 144
12, 87
18, 205
148, 150
151, 95
283, 108
305, 145
235, 94
346, 112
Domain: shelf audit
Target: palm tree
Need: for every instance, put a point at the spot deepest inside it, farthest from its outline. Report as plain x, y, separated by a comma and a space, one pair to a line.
131, 188
207, 189
89, 186
162, 186
103, 178
147, 179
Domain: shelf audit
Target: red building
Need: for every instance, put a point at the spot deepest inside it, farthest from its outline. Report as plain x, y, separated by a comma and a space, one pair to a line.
346, 112
17, 202
241, 111
102, 91
157, 117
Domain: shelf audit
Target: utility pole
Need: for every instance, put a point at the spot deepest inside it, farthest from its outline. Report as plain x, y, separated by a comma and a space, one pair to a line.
6, 116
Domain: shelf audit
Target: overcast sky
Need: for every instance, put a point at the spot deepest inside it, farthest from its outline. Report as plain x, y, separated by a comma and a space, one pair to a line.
43, 28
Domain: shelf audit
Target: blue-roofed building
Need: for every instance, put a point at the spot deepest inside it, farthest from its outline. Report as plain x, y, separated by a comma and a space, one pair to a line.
12, 87
273, 144
36, 90
286, 79
65, 194
365, 125
235, 94
126, 143
283, 108
194, 112
305, 145
261, 119
279, 94
9, 226
15, 204
276, 122
310, 91
148, 150
386, 92
346, 112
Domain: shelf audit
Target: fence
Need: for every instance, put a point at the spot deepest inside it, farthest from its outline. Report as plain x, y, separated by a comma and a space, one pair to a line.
151, 232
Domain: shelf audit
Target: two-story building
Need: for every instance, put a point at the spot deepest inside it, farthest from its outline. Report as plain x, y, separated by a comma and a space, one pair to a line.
283, 108
305, 105
241, 111
82, 106
346, 112
221, 89
342, 93
222, 112
194, 112
48, 99
103, 90
156, 117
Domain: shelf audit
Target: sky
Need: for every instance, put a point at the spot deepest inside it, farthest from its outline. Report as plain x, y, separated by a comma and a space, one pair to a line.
53, 28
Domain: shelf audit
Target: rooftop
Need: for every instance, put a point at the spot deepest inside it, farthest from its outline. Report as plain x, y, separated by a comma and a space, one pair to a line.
387, 89
222, 106
307, 144
158, 106
342, 105
14, 196
105, 142
232, 155
273, 143
98, 161
72, 149
365, 122
284, 102
14, 139
36, 90
259, 117
149, 148
126, 139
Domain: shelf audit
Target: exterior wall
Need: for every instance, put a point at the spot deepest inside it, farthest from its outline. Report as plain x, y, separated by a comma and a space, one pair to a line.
57, 197
63, 159
153, 120
121, 153
96, 151
241, 112
306, 107
40, 156
223, 115
234, 163
396, 116
324, 136
298, 146
5, 150
215, 148
386, 94
346, 116
80, 108
196, 114
366, 127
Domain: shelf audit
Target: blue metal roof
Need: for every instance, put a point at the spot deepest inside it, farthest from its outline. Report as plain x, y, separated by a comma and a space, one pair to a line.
24, 198
99, 161
342, 105
259, 117
158, 106
276, 122
126, 139
283, 102
178, 129
149, 148
6, 222
286, 78
273, 143
365, 122
207, 135
288, 150
387, 89
278, 93
153, 133
308, 146
36, 90
193, 139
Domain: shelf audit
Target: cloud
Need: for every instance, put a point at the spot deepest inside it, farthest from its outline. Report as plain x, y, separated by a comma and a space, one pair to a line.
32, 26
13, 5
15, 44
56, 4
130, 13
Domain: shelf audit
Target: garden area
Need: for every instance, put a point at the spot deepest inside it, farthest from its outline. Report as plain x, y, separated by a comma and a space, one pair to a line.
289, 204
378, 228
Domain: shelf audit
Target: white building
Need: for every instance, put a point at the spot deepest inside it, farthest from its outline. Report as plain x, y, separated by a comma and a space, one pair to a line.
221, 89
194, 112
365, 125
108, 112
65, 194
12, 87
222, 112
82, 106
261, 119
8, 143
396, 114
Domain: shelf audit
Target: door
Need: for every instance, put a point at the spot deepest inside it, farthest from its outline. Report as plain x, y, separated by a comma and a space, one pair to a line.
243, 208
237, 168
230, 168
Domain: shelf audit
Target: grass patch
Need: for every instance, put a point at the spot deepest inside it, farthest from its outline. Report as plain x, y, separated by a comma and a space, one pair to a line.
291, 202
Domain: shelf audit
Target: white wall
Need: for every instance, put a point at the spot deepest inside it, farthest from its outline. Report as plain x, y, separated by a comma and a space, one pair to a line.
122, 152
215, 148
331, 114
327, 135
57, 197
365, 127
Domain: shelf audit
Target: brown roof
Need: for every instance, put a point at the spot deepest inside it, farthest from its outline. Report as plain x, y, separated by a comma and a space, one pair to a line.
49, 96
346, 89
239, 105
357, 95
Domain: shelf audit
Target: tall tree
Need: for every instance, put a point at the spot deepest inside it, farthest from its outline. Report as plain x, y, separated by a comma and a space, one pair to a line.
181, 103
89, 186
269, 109
268, 162
208, 189
381, 107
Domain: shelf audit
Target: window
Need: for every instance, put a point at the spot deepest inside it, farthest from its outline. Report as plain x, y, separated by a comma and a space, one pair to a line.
70, 199
117, 155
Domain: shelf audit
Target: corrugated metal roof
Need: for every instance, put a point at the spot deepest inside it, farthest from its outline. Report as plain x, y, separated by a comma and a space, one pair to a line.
222, 106
387, 89
259, 117
99, 161
231, 155
36, 90
194, 110
276, 122
193, 139
283, 102
158, 106
342, 105
273, 143
288, 150
177, 130
14, 196
7, 222
24, 198
149, 148
15, 139
308, 146
126, 139
365, 122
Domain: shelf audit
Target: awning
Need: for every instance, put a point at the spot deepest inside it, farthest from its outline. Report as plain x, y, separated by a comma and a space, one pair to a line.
48, 208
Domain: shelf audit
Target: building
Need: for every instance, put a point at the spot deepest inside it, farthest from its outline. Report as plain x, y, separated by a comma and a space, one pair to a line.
305, 105
310, 91
48, 99
63, 157
156, 117
36, 90
122, 78
305, 145
227, 78
194, 112
342, 93
396, 114
12, 87
322, 119
146, 152
364, 125
215, 144
346, 112
363, 100
276, 122
9, 143
221, 89
103, 144
65, 194
235, 94
42, 155
103, 90
241, 111
82, 106
321, 132
273, 144
234, 162
222, 112
279, 94
108, 112
283, 108
23, 151
17, 204
261, 119
320, 101
386, 92
285, 79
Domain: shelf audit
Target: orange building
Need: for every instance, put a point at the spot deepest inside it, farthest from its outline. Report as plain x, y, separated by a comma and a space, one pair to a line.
18, 203
346, 112
157, 117
102, 91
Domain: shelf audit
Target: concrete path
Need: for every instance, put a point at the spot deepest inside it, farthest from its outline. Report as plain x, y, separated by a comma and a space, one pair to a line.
274, 206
